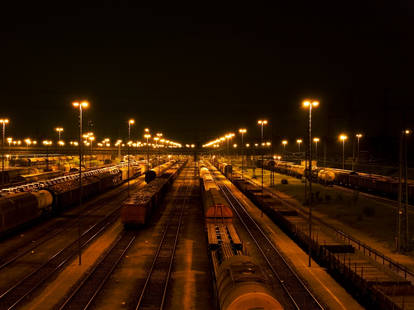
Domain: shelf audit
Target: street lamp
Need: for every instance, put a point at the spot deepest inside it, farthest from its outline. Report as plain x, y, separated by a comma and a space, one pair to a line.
316, 140
4, 122
284, 143
156, 147
343, 138
28, 142
91, 138
403, 188
309, 105
358, 136
242, 131
130, 123
228, 136
262, 123
59, 131
147, 136
158, 138
47, 143
299, 141
80, 105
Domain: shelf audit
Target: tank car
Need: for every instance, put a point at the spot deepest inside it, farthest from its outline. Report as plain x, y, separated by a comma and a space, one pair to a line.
326, 176
241, 286
241, 283
17, 209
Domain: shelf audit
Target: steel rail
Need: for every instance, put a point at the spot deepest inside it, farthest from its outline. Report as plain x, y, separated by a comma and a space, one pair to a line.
15, 294
123, 244
234, 202
392, 264
141, 300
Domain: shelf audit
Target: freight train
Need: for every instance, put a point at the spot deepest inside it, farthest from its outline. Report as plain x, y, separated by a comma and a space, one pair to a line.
40, 162
22, 204
371, 183
240, 281
136, 210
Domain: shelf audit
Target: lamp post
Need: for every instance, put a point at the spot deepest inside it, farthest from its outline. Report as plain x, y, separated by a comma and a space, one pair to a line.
343, 138
157, 138
262, 123
309, 105
80, 105
59, 131
403, 189
4, 122
242, 131
358, 136
316, 140
147, 136
130, 123
47, 143
91, 138
118, 144
28, 142
228, 136
162, 141
284, 143
299, 142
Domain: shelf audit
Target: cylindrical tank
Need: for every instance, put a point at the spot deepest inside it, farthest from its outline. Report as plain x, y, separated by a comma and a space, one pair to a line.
44, 199
241, 286
326, 176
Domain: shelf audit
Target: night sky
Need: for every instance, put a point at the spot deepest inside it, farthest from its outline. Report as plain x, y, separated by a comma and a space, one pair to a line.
195, 72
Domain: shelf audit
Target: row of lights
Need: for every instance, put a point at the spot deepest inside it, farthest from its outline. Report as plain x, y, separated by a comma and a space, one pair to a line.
89, 138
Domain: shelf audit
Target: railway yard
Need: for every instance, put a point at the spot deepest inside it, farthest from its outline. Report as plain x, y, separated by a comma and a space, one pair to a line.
249, 156
190, 235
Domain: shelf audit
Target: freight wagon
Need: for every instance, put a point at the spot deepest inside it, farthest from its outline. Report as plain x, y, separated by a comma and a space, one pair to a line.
137, 210
23, 204
240, 281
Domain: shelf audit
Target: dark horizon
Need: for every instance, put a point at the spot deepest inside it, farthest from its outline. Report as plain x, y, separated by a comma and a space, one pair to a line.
195, 73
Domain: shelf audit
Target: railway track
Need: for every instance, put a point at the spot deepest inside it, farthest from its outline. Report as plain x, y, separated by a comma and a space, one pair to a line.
297, 291
17, 293
364, 249
85, 292
382, 198
59, 228
50, 232
154, 291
